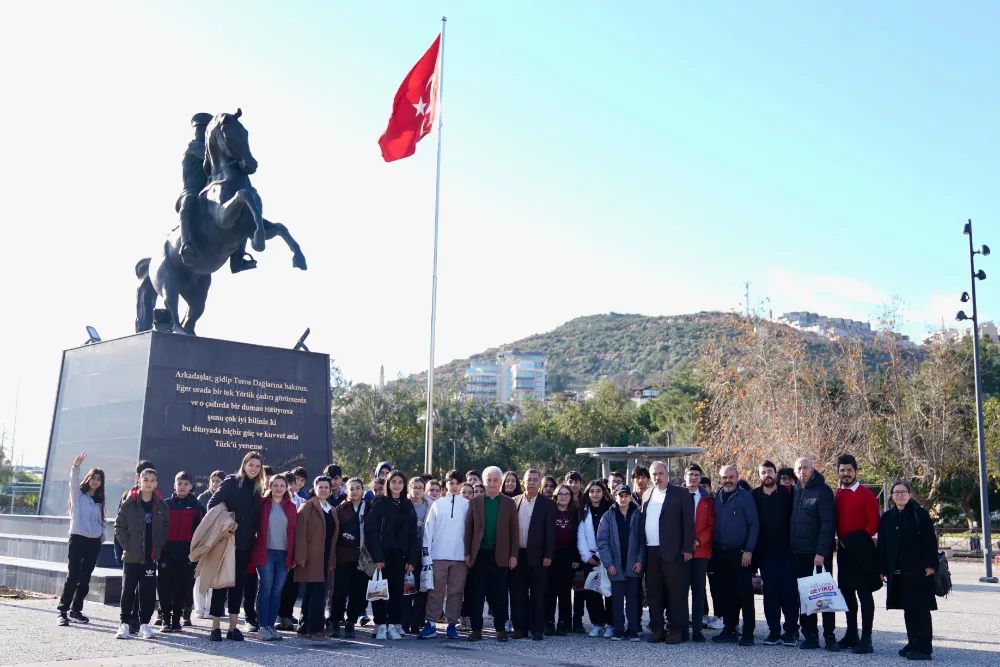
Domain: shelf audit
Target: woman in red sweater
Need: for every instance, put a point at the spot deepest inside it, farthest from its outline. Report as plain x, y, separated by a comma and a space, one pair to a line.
272, 552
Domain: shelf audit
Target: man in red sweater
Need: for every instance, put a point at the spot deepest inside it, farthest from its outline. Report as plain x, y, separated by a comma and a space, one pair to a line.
857, 525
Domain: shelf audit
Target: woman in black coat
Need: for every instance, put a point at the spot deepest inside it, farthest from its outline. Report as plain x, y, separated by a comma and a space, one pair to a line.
391, 540
907, 561
241, 494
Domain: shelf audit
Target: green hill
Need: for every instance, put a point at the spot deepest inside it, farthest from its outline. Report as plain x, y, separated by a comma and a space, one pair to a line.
587, 349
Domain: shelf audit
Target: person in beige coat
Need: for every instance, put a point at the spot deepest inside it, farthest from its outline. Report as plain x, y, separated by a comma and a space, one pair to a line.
316, 531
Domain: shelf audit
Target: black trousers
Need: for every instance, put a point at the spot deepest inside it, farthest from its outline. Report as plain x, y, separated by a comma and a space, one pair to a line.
350, 592
736, 589
414, 608
695, 571
313, 604
560, 583
598, 607
527, 601
250, 586
855, 598
230, 598
174, 584
919, 631
83, 553
803, 565
665, 591
489, 583
141, 578
781, 593
390, 612
289, 594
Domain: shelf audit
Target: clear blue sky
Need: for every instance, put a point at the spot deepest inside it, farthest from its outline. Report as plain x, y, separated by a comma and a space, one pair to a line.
632, 157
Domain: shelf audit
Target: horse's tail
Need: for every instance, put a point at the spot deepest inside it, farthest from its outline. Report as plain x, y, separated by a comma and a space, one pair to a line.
145, 297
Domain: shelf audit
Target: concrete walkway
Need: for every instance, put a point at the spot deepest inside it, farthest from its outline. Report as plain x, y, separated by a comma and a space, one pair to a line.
966, 628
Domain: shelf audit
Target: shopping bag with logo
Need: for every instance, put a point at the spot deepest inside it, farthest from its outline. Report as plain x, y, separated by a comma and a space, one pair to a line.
409, 584
426, 578
378, 588
598, 581
819, 593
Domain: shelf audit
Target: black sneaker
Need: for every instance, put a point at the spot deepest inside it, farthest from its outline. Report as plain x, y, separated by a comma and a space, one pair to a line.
234, 635
831, 644
63, 620
579, 630
773, 639
632, 636
348, 632
903, 651
850, 640
215, 635
618, 636
789, 639
864, 645
913, 655
726, 637
697, 638
78, 617
746, 640
809, 643
364, 621
550, 629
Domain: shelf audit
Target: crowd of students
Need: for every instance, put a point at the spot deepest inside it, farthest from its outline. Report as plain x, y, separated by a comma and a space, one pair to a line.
537, 551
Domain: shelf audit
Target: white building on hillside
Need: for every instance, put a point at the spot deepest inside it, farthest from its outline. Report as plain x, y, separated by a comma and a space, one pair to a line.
512, 376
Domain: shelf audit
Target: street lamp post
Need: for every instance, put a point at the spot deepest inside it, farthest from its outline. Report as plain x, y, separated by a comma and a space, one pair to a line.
984, 490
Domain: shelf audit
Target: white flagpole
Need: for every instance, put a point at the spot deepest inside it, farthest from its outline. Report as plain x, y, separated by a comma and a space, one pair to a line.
429, 437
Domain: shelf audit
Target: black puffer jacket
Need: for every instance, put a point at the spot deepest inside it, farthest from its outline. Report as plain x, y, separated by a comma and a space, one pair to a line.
244, 502
814, 518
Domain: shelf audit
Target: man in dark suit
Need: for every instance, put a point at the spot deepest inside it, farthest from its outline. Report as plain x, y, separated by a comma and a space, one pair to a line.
491, 544
668, 527
536, 520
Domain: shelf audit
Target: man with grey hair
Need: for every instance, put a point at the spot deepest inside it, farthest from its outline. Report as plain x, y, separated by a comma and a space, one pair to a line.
536, 520
668, 529
492, 540
811, 538
733, 541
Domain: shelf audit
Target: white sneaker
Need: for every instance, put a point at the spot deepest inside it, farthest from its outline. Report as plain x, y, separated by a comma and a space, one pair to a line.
609, 631
508, 626
122, 631
596, 631
382, 631
717, 624
145, 632
394, 632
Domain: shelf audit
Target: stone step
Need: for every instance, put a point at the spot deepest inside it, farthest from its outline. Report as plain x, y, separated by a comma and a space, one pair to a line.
39, 576
51, 549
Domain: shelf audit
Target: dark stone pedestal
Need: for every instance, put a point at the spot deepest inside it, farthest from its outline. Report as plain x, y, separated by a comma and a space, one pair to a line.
185, 403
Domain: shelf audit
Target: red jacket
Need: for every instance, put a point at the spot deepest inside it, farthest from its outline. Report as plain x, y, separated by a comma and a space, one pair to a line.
258, 555
704, 525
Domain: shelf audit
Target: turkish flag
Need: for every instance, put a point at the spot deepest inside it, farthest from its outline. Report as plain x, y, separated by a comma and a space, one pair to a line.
414, 108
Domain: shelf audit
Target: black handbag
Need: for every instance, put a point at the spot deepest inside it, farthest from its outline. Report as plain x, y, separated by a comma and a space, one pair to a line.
942, 577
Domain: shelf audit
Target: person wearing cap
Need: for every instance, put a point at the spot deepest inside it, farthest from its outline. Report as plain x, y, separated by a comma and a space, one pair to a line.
621, 546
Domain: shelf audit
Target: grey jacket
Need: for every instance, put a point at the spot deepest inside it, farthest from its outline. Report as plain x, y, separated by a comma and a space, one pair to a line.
609, 543
736, 524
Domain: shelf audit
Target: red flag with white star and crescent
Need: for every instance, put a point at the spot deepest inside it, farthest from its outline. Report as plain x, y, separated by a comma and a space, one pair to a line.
414, 108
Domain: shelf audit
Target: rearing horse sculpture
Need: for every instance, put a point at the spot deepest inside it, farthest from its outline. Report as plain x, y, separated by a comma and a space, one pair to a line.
229, 215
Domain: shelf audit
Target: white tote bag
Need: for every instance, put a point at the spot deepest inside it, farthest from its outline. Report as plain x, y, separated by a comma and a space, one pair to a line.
598, 581
819, 594
378, 588
427, 578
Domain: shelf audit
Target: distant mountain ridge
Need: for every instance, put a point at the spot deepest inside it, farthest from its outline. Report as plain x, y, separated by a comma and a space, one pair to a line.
587, 349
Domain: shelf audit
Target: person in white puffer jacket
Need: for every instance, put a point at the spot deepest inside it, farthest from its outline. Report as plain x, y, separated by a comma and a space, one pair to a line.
444, 547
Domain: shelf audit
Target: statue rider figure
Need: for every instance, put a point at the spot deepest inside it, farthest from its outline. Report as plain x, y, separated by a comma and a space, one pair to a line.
188, 205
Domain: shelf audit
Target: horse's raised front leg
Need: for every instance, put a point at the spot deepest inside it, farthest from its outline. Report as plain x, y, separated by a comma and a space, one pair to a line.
246, 200
277, 229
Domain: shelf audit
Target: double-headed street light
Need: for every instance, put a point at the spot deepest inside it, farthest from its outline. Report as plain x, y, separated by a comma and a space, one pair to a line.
984, 490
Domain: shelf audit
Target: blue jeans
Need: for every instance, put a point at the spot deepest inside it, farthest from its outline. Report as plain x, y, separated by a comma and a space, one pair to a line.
271, 576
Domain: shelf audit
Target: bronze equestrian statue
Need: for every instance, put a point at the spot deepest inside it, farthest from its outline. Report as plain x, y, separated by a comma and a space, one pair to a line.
219, 211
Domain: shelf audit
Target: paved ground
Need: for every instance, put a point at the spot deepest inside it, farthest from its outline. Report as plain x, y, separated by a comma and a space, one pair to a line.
966, 628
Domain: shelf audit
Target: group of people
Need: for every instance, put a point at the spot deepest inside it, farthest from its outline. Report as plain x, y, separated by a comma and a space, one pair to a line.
536, 551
